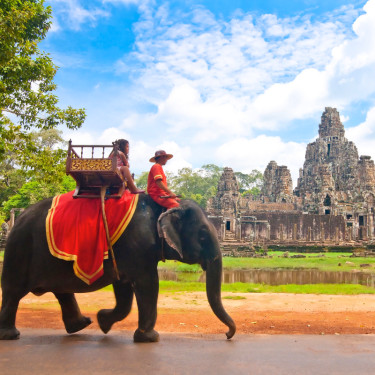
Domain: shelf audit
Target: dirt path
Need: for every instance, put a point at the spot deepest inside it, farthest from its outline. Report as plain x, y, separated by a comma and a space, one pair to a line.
253, 313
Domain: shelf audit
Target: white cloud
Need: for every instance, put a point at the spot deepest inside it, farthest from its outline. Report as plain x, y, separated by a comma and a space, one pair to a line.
55, 26
216, 84
74, 15
184, 109
244, 73
298, 99
244, 154
363, 135
126, 2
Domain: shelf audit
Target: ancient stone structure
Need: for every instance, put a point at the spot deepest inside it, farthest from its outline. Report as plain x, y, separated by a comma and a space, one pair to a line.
332, 204
278, 184
3, 234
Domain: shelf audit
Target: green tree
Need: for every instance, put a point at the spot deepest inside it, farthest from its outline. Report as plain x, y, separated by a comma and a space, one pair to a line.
199, 185
34, 191
20, 187
212, 171
27, 99
250, 183
47, 165
141, 181
11, 178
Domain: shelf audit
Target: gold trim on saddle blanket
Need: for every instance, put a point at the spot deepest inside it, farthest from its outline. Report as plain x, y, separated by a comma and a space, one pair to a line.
56, 252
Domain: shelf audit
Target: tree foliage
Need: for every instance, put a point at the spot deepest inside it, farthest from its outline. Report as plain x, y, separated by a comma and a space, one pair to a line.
34, 191
22, 186
27, 99
201, 184
45, 166
250, 183
141, 181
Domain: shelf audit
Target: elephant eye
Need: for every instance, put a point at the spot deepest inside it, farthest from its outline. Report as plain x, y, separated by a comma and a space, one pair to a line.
203, 235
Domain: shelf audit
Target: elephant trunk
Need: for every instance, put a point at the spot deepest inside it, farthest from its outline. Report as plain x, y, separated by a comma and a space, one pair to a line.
213, 288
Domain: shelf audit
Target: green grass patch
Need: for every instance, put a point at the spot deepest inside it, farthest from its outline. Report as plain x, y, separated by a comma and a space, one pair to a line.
234, 297
1, 255
107, 288
178, 286
346, 289
328, 262
174, 265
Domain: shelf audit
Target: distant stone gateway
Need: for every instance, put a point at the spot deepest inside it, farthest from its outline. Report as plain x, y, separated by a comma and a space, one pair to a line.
332, 205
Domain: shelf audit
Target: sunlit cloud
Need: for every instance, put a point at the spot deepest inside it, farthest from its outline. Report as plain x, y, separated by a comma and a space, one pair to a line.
244, 74
226, 89
247, 154
364, 134
74, 15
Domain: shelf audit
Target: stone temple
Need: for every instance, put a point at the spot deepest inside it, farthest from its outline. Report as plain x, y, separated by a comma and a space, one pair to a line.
332, 204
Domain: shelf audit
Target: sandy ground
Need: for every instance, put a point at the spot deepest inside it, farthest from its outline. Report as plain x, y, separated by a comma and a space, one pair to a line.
253, 313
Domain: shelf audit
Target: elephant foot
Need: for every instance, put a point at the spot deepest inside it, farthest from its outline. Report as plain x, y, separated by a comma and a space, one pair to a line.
76, 326
142, 336
9, 333
105, 319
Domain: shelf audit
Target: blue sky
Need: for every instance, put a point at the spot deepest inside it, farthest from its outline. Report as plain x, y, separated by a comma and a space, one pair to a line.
230, 82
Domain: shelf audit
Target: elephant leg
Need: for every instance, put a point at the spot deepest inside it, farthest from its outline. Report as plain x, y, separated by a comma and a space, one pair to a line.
9, 307
73, 320
146, 292
124, 299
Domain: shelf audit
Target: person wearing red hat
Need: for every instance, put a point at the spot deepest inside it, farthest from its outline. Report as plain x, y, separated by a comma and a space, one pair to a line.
157, 186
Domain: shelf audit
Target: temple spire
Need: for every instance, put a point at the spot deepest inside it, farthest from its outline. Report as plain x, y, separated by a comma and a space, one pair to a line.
331, 125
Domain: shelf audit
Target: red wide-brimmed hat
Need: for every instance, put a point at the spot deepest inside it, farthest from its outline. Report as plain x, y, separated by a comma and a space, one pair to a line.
160, 153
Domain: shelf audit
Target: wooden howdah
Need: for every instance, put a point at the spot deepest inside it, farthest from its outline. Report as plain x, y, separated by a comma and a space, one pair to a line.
92, 173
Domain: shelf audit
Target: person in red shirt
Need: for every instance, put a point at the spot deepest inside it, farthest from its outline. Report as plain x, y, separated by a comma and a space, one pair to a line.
157, 186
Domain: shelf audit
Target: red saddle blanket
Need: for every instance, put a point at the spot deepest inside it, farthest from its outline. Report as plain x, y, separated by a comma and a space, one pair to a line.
75, 230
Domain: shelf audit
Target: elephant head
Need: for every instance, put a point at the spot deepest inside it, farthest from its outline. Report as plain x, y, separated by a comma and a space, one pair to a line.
193, 238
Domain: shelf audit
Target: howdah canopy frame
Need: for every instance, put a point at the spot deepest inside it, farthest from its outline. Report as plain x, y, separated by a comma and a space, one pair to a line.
96, 178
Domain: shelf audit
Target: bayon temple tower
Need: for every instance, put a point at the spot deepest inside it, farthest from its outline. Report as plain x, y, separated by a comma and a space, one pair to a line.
333, 202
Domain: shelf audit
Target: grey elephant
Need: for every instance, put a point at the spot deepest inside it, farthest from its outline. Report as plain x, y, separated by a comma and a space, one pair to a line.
29, 267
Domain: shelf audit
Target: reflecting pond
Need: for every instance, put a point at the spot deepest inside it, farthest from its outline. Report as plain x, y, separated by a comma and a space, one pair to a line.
278, 276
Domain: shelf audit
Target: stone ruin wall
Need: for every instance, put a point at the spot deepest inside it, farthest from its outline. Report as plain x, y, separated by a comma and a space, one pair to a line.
282, 227
334, 200
268, 206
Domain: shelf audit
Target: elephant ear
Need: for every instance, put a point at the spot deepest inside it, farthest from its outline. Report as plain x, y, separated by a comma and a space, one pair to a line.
169, 224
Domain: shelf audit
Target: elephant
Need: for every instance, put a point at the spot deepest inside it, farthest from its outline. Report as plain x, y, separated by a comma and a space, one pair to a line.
189, 237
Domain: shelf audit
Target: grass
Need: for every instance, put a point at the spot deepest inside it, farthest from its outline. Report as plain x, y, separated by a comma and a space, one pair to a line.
189, 275
347, 289
326, 262
1, 256
330, 262
234, 297
171, 287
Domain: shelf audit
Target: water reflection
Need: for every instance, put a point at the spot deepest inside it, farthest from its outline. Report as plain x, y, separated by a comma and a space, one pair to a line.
278, 277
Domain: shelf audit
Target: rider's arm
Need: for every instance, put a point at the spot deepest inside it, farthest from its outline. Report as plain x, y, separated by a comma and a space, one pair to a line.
162, 186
